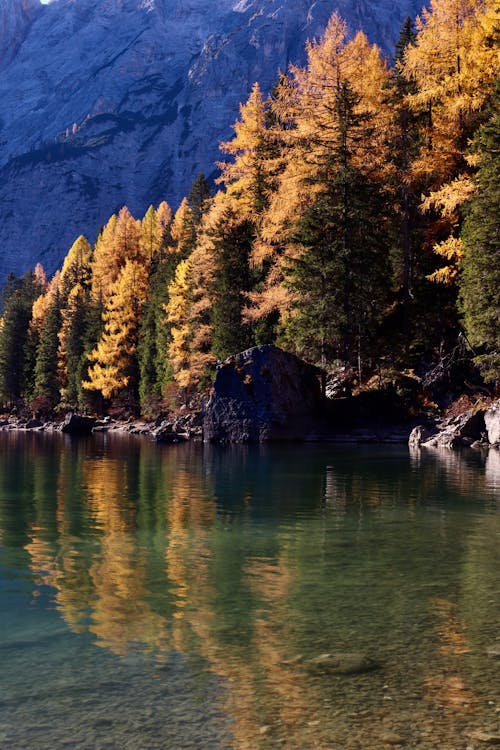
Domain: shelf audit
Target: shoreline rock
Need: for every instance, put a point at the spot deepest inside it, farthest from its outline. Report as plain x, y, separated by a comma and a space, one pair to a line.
263, 394
476, 428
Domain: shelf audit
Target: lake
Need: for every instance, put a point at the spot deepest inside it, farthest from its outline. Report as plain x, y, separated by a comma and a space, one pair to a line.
171, 597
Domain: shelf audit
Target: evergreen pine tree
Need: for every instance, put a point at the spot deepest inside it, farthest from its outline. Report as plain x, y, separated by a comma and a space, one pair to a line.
72, 346
46, 386
480, 278
198, 198
339, 275
231, 243
18, 296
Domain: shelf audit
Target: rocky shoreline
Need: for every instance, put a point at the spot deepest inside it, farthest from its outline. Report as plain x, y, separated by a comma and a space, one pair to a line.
175, 430
476, 428
265, 394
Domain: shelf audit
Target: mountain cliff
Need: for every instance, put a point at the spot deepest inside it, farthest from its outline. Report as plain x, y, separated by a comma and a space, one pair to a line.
112, 102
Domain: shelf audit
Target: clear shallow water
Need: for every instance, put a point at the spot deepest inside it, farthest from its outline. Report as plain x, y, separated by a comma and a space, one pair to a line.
171, 597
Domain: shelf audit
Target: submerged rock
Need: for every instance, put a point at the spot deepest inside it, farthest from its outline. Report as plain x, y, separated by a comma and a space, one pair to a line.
342, 663
263, 394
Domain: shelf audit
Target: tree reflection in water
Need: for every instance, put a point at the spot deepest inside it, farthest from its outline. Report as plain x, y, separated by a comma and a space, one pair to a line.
247, 562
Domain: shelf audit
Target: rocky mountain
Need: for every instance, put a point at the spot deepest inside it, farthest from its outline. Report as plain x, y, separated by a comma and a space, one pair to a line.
112, 102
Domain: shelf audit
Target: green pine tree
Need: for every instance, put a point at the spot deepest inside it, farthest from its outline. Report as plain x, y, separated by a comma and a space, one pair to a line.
198, 198
46, 386
18, 296
231, 242
480, 278
340, 278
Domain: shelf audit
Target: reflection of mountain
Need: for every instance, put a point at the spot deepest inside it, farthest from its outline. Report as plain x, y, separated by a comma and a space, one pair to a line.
244, 560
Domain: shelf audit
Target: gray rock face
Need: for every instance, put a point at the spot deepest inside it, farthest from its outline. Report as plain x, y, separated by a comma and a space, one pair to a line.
16, 17
492, 422
462, 430
263, 394
112, 102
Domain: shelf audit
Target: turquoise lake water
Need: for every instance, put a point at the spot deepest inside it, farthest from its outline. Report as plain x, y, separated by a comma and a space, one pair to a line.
172, 597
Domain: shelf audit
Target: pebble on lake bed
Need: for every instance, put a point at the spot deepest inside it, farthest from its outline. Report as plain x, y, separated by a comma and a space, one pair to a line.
342, 663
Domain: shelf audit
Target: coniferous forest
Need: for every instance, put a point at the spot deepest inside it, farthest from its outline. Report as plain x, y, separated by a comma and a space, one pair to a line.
354, 223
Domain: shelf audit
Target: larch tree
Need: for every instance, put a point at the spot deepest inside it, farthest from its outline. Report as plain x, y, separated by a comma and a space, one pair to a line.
114, 370
179, 238
453, 64
246, 176
179, 310
305, 109
74, 295
76, 268
151, 234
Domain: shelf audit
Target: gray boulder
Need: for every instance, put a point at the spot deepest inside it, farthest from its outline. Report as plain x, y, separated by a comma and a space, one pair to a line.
454, 432
263, 394
492, 423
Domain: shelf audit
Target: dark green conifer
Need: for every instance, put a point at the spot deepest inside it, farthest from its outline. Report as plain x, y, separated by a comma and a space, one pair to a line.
18, 296
480, 277
232, 242
339, 280
46, 386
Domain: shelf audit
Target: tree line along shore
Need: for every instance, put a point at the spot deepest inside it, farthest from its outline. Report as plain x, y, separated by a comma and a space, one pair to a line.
354, 223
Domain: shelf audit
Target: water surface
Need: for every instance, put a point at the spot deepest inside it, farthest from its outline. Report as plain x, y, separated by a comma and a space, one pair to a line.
171, 597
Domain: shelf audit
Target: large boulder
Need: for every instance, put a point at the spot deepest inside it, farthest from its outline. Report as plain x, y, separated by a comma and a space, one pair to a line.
263, 394
492, 423
76, 424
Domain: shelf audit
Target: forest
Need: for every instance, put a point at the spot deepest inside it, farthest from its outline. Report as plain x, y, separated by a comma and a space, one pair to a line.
354, 223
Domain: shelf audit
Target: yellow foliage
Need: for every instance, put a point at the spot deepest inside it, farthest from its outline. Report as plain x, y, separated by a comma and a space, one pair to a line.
164, 215
246, 177
182, 228
453, 63
450, 197
451, 249
115, 353
119, 241
44, 301
151, 235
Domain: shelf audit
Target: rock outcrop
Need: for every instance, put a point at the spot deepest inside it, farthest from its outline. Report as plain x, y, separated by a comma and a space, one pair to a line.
492, 423
123, 102
476, 426
263, 394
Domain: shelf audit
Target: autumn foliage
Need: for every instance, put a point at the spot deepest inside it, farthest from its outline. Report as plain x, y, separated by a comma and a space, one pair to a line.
336, 230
